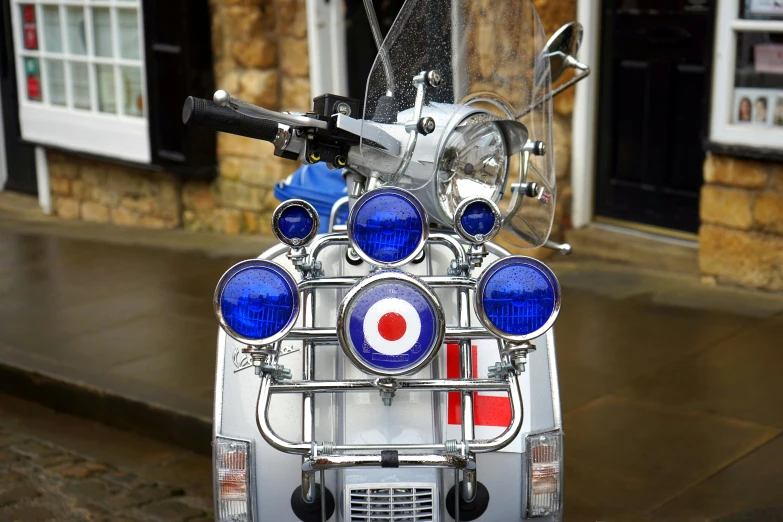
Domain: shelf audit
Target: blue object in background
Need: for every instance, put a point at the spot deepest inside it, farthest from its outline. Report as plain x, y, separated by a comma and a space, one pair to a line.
319, 186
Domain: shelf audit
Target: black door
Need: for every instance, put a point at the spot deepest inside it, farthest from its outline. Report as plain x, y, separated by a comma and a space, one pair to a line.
653, 104
19, 157
360, 46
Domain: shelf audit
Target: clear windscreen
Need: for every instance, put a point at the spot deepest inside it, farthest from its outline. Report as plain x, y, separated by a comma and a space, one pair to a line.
490, 59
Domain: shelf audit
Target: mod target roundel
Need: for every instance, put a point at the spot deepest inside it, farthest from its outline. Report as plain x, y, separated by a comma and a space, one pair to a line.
390, 324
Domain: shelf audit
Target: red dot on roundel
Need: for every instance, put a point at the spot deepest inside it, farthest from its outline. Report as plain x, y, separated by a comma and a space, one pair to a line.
392, 326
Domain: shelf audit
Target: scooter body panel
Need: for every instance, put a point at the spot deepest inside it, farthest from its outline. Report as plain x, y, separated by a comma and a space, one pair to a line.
361, 418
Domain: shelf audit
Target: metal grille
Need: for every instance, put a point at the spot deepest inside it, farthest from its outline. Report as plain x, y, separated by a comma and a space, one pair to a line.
403, 503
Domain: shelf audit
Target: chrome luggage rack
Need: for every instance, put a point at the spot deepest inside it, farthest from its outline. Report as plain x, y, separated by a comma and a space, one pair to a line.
319, 456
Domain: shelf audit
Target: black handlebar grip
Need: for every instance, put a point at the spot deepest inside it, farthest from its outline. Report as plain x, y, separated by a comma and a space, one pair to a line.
205, 113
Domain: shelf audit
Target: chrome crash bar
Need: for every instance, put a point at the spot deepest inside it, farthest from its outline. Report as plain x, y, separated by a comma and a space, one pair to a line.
319, 456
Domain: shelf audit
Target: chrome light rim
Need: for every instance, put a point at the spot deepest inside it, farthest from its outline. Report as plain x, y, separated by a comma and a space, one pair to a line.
477, 238
232, 272
478, 301
367, 196
357, 291
311, 212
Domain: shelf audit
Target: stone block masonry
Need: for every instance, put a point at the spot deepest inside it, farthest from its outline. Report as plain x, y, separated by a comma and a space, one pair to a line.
261, 55
741, 236
104, 192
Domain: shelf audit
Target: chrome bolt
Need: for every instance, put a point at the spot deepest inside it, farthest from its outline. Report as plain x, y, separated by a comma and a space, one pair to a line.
344, 109
434, 78
426, 125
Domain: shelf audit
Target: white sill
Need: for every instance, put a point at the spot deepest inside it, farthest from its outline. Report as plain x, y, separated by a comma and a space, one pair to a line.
104, 135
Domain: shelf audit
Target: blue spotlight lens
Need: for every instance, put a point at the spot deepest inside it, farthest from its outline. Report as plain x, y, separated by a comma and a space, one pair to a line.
387, 225
478, 218
519, 295
258, 299
295, 223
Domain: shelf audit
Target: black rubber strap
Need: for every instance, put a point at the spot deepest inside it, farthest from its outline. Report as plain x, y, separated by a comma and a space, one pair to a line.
390, 459
205, 113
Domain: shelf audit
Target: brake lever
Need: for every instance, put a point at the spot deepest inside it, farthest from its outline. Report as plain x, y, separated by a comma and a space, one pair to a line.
224, 99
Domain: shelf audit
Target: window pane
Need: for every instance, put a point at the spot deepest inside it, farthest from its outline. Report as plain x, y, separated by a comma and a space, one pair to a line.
80, 85
53, 33
101, 21
761, 9
29, 29
758, 80
77, 37
32, 71
133, 93
106, 93
128, 22
55, 80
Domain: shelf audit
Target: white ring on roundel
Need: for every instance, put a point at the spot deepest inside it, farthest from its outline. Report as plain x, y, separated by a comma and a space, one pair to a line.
412, 326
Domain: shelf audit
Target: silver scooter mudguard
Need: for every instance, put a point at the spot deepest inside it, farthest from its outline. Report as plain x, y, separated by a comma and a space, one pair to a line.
365, 494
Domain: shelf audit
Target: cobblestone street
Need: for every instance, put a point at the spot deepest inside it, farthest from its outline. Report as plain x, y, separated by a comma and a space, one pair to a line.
55, 467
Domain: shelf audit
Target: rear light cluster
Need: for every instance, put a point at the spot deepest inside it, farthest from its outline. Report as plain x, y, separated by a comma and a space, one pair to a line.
545, 473
233, 492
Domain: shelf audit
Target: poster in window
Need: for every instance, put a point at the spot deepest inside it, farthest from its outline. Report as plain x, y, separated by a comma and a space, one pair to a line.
777, 115
766, 7
30, 31
32, 70
758, 107
768, 58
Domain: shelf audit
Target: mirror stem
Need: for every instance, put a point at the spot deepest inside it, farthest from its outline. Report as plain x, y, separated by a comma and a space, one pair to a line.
375, 27
584, 73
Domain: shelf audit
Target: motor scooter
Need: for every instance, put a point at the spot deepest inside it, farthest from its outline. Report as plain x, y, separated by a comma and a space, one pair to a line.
402, 366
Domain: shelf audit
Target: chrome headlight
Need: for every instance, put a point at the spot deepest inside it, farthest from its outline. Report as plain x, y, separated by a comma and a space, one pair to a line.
474, 162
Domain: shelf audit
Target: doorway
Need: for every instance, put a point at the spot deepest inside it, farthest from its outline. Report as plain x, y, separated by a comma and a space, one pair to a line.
653, 110
360, 46
19, 157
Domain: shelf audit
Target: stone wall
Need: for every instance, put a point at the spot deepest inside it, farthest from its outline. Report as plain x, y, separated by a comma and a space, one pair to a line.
260, 52
260, 55
104, 192
741, 235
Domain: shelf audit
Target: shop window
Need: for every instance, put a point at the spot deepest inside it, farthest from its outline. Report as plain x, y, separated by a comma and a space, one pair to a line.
81, 74
108, 78
747, 102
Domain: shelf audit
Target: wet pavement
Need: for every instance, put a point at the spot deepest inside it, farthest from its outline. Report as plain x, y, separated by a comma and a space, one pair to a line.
59, 468
673, 407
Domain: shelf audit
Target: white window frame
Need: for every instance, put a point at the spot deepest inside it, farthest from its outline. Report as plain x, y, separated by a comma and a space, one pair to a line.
728, 24
112, 135
326, 47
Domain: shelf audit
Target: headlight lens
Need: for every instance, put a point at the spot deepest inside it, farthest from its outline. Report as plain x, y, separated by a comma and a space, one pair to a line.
473, 163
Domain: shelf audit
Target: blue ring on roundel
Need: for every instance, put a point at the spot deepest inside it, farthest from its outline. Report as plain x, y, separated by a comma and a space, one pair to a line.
421, 346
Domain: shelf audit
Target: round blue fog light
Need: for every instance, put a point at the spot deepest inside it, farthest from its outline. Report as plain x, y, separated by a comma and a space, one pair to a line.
517, 298
256, 302
477, 219
387, 227
295, 222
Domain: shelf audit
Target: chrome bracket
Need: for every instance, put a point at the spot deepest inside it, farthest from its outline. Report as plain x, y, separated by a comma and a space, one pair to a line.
500, 370
516, 353
388, 389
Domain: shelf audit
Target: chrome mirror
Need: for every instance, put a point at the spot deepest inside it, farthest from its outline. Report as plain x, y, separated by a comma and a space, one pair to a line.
564, 44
